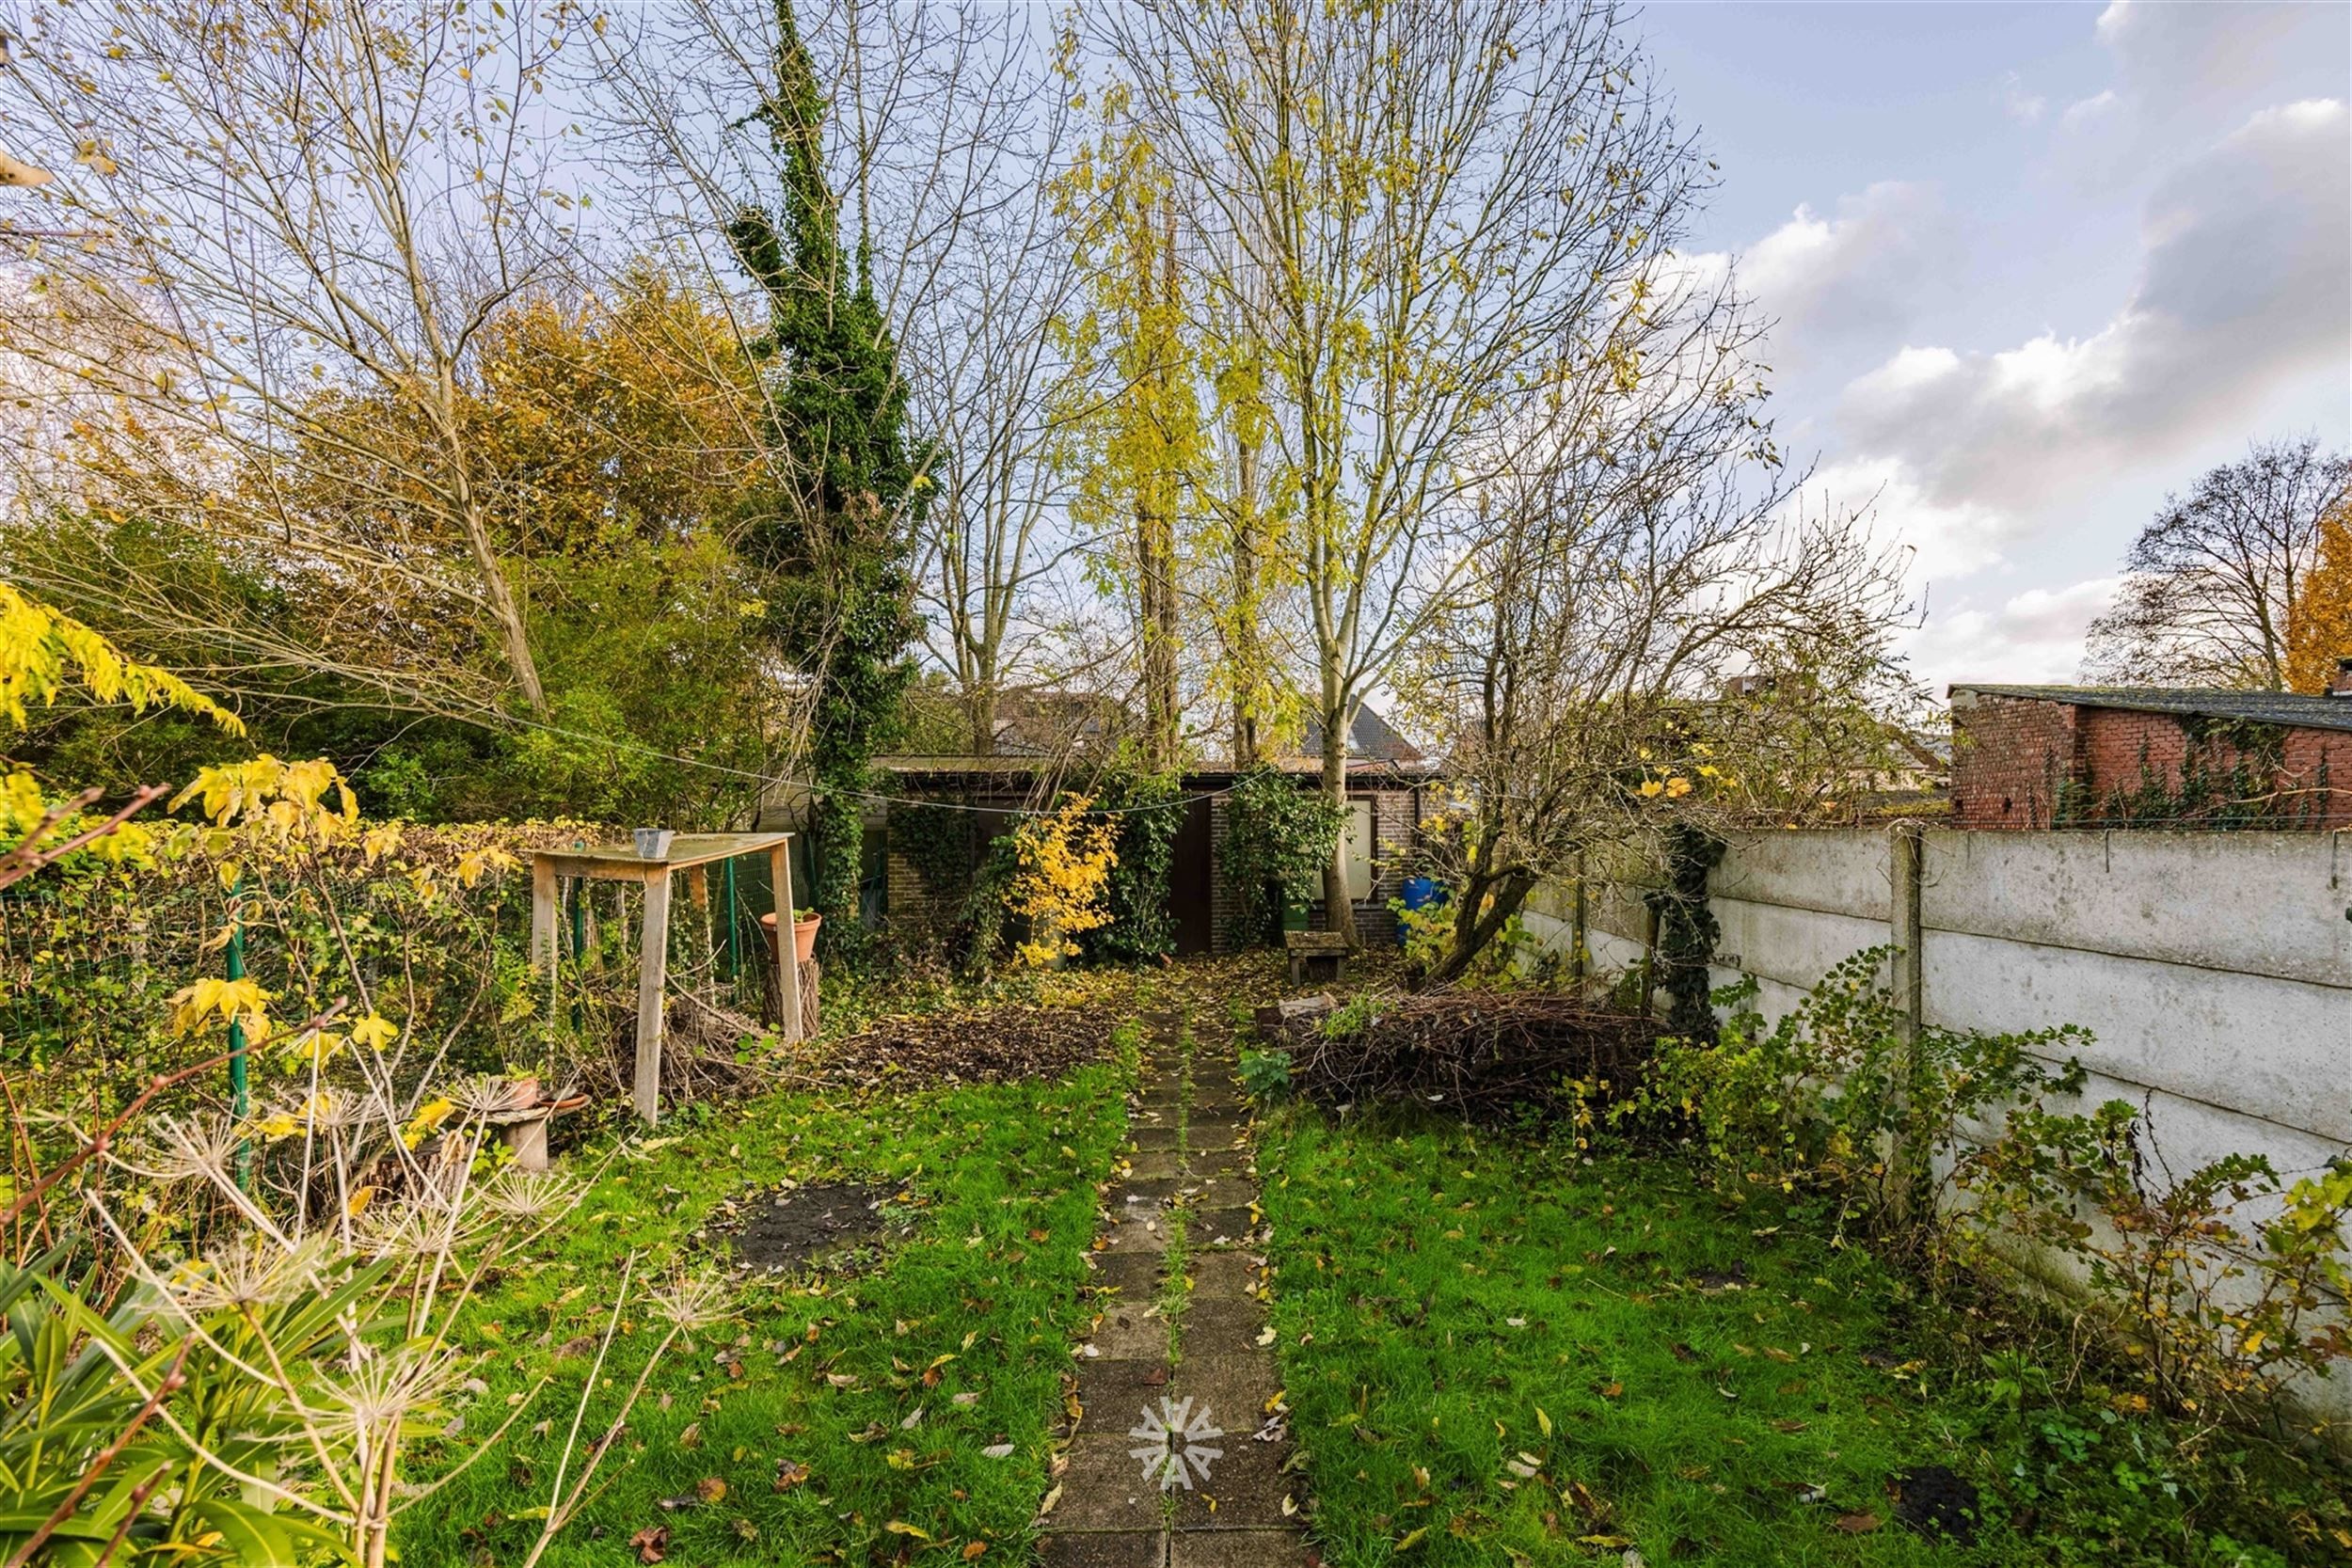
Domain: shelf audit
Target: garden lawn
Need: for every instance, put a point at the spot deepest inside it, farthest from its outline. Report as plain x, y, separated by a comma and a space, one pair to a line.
1495, 1351
822, 1421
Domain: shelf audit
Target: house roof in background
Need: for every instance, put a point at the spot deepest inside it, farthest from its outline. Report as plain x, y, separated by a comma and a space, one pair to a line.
1370, 738
2291, 708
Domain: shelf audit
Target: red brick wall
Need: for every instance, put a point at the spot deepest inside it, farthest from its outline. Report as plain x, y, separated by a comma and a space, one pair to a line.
2008, 752
2120, 749
2007, 755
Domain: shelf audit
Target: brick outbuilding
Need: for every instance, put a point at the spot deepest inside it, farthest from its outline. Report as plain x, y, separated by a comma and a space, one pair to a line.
2043, 756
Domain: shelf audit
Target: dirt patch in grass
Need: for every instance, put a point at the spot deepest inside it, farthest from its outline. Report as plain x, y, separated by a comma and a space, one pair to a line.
993, 1045
782, 1230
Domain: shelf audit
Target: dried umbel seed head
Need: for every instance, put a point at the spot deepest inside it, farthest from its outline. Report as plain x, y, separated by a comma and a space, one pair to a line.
418, 1223
186, 1148
387, 1389
250, 1273
687, 1302
531, 1195
482, 1095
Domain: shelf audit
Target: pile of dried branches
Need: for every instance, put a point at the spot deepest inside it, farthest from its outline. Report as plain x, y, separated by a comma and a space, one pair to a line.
1480, 1054
991, 1046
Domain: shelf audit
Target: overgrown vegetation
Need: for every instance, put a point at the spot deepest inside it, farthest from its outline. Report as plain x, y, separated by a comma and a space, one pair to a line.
1278, 839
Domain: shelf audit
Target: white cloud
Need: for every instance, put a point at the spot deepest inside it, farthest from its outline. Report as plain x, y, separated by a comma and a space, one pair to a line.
2031, 637
2020, 104
2086, 111
2246, 284
1854, 277
1944, 540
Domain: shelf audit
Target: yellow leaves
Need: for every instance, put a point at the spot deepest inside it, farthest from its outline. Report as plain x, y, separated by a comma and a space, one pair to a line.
428, 1119
276, 802
234, 1001
1651, 789
373, 1032
40, 649
315, 1046
471, 864
1065, 866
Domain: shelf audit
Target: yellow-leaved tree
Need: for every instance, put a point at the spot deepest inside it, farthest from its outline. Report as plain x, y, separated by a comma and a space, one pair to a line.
2319, 623
42, 652
1065, 859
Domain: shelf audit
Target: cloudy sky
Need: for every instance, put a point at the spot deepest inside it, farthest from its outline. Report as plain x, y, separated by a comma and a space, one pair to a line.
2034, 266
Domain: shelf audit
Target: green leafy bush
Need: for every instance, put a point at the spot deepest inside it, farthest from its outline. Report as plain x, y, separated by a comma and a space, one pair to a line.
1265, 1075
1278, 839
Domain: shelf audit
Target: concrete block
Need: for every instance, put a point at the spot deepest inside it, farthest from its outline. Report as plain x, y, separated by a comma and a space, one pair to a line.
2259, 903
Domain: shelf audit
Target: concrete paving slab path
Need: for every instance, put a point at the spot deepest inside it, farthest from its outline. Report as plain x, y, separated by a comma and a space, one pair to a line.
1181, 1457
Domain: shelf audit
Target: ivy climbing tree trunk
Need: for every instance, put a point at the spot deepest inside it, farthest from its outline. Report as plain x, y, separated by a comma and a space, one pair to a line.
834, 547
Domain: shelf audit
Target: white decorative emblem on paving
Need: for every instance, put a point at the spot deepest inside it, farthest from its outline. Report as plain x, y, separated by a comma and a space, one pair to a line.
1175, 1445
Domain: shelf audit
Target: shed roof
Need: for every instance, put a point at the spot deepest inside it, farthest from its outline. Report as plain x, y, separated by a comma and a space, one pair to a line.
2291, 708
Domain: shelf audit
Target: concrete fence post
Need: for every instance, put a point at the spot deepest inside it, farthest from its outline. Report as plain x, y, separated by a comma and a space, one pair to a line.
1906, 846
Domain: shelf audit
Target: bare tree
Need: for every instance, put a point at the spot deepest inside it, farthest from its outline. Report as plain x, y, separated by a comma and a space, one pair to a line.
2212, 586
285, 211
1428, 208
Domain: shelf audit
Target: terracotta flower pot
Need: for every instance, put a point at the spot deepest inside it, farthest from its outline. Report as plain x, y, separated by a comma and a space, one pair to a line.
803, 936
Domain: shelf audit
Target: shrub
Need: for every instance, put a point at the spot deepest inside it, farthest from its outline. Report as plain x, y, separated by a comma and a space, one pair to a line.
1278, 839
1830, 1102
2218, 1311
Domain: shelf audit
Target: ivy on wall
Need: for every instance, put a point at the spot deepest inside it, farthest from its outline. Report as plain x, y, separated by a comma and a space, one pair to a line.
1150, 813
1278, 839
2232, 774
1687, 931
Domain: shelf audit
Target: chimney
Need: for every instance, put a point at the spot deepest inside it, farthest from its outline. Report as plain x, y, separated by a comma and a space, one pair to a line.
2342, 685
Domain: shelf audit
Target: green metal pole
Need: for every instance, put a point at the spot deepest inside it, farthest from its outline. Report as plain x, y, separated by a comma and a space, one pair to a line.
735, 928
579, 937
240, 1093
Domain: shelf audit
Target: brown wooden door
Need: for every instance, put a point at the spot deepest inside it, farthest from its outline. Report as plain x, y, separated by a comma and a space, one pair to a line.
1190, 886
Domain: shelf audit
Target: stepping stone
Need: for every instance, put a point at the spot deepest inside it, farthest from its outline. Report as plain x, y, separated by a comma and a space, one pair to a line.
1222, 1275
1104, 1489
1130, 1330
1239, 1548
1209, 1132
1104, 1549
1219, 1162
1153, 1163
1149, 1192
1235, 1387
1220, 1227
1135, 1275
1223, 1326
1248, 1484
1115, 1393
1209, 1191
1169, 1136
1142, 1228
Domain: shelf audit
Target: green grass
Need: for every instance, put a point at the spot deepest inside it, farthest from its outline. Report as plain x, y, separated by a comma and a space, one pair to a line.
1442, 1296
976, 1295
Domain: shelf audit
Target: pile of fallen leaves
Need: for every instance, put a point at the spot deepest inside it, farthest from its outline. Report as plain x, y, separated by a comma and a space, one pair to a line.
1482, 1055
993, 1045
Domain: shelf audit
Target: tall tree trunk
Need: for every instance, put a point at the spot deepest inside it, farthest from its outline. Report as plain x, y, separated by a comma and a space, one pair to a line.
1339, 911
979, 709
1244, 651
1156, 587
513, 637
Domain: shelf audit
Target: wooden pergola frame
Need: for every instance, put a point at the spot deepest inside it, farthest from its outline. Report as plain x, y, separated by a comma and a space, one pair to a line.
689, 853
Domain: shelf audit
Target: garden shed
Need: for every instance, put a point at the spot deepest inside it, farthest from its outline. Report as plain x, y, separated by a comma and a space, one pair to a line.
946, 809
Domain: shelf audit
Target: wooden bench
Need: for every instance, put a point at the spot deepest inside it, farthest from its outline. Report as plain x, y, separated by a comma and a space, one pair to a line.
1316, 956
